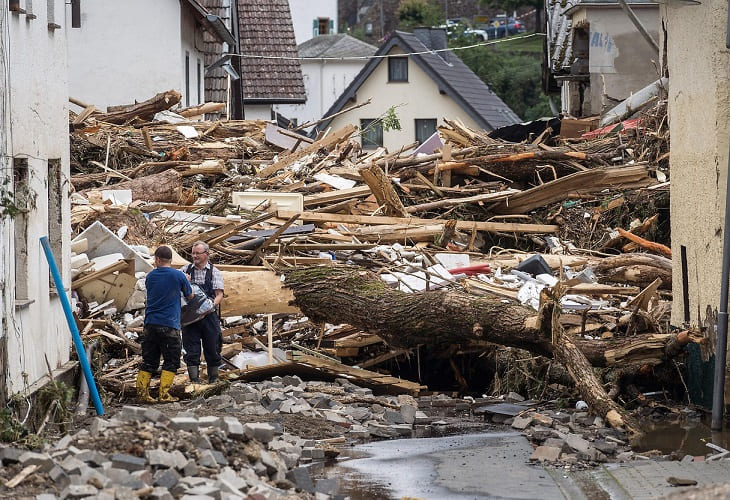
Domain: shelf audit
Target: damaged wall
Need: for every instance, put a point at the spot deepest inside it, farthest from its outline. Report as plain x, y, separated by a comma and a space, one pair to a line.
38, 155
620, 60
419, 98
699, 110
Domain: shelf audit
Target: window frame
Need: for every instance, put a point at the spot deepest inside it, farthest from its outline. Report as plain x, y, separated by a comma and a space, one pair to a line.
365, 133
416, 122
392, 69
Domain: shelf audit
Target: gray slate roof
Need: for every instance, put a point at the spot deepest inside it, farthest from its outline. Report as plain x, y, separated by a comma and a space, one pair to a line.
454, 78
340, 45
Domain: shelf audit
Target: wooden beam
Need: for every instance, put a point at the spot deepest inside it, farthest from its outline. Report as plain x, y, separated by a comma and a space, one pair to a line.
501, 227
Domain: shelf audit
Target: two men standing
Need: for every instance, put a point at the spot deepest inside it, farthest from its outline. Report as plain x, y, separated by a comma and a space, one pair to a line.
161, 336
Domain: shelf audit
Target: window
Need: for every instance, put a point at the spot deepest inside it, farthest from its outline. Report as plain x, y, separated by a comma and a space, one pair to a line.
14, 6
371, 133
20, 227
425, 129
200, 82
75, 13
55, 210
323, 26
187, 78
397, 69
29, 10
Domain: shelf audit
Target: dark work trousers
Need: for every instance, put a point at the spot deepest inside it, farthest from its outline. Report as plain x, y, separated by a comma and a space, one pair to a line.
207, 330
160, 340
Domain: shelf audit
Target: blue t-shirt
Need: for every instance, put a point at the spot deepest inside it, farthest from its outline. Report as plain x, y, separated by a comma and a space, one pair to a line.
164, 285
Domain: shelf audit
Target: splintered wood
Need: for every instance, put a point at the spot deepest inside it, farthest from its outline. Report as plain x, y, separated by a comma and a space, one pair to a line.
461, 217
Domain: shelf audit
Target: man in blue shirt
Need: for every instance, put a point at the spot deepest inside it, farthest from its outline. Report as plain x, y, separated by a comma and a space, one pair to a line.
161, 335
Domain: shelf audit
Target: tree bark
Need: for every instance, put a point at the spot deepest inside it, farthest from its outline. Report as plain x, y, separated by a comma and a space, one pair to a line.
143, 110
165, 187
441, 318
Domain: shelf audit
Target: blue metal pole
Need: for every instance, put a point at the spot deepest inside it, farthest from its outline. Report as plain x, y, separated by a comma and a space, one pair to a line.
80, 351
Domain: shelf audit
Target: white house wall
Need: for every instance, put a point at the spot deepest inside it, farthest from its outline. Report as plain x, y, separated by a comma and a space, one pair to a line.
125, 51
192, 37
304, 12
419, 98
38, 114
324, 82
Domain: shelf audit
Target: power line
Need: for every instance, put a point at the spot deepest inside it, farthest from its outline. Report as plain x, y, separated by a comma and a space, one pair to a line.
384, 56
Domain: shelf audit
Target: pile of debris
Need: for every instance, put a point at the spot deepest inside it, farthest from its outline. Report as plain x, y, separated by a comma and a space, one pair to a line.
481, 219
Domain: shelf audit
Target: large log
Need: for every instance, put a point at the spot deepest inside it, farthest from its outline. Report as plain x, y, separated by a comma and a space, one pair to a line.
165, 187
255, 292
142, 110
442, 318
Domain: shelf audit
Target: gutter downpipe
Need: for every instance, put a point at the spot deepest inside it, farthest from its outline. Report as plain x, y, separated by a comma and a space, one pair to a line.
80, 351
718, 387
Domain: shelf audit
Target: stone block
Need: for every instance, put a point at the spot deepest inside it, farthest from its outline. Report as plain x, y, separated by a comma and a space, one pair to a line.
292, 380
42, 460
154, 415
166, 478
184, 423
10, 455
59, 477
521, 423
233, 427
327, 486
92, 457
541, 419
207, 459
160, 493
161, 458
408, 412
132, 413
546, 454
79, 491
209, 421
261, 432
577, 443
393, 417
301, 479
128, 462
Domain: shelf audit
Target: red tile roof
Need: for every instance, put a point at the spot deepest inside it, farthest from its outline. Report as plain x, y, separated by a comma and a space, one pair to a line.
265, 28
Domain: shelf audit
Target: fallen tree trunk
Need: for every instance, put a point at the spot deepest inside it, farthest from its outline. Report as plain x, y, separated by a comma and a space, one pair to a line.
345, 294
143, 110
165, 187
348, 294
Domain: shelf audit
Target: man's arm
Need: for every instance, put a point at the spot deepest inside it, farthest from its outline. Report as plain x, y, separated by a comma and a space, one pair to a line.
218, 297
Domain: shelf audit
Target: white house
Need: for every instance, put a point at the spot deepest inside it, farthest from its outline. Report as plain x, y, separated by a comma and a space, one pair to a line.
34, 166
129, 51
424, 86
329, 64
312, 18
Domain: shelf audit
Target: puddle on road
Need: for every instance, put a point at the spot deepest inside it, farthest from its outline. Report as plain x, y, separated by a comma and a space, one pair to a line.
684, 437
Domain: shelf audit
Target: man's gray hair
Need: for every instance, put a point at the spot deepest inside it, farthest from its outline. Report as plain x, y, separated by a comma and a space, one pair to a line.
203, 244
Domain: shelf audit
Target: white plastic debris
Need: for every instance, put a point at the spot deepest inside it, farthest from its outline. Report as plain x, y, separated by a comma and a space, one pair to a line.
581, 405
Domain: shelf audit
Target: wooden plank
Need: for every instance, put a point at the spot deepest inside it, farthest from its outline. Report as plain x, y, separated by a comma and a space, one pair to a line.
117, 266
383, 358
20, 476
255, 292
326, 143
590, 181
502, 227
338, 195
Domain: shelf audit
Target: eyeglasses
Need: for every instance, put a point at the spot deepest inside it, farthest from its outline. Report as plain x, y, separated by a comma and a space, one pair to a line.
199, 253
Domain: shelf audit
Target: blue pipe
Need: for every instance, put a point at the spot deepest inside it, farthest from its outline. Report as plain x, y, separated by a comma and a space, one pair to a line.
80, 351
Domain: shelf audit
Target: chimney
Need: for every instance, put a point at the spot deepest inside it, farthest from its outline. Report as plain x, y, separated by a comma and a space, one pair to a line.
438, 38
424, 35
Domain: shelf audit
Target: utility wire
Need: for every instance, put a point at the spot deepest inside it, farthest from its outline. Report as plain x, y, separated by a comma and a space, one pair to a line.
384, 56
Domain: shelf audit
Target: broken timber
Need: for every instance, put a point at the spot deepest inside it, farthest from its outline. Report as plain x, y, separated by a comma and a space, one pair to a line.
505, 227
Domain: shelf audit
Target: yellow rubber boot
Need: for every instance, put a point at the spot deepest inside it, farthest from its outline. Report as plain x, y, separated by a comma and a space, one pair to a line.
166, 379
143, 387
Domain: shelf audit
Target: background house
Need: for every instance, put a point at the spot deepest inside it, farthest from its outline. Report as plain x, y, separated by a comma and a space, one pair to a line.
330, 63
595, 55
34, 171
129, 51
425, 88
312, 18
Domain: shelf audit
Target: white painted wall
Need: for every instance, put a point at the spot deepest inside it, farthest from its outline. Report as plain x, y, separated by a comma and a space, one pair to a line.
304, 12
257, 111
419, 98
324, 82
38, 116
129, 51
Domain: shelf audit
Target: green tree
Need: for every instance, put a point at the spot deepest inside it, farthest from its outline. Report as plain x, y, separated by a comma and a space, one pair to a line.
514, 76
415, 13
